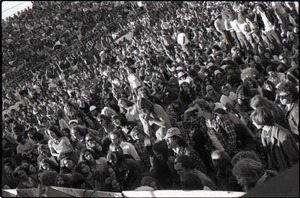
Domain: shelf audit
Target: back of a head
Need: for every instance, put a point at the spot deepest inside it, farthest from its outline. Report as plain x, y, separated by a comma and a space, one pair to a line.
243, 155
190, 181
220, 159
248, 168
48, 178
186, 161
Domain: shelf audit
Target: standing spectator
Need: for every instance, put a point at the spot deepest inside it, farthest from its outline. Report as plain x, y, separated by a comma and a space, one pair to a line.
278, 142
153, 118
221, 126
288, 96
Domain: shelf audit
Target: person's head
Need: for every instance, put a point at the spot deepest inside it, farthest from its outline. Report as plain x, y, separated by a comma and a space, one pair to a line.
160, 150
123, 103
261, 117
247, 172
260, 101
220, 159
88, 155
185, 86
269, 86
8, 165
115, 137
60, 114
21, 139
260, 7
207, 80
77, 133
69, 162
90, 140
137, 133
116, 158
47, 164
174, 138
20, 173
73, 123
183, 163
225, 90
118, 120
103, 119
271, 71
204, 109
83, 168
63, 180
151, 182
243, 155
54, 133
44, 150
287, 92
143, 92
283, 58
93, 110
145, 105
191, 181
48, 178
66, 132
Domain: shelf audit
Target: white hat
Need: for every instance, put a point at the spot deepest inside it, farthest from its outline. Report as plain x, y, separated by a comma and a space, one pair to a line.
217, 72
180, 74
179, 68
171, 132
73, 121
92, 108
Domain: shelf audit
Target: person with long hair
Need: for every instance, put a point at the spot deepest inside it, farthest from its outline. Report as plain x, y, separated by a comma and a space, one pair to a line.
128, 171
279, 144
58, 143
63, 180
269, 90
129, 109
250, 173
289, 97
62, 119
277, 113
187, 94
223, 176
154, 118
93, 143
95, 179
93, 159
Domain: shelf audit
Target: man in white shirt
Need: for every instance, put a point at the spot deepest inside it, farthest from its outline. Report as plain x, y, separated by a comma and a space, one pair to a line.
127, 148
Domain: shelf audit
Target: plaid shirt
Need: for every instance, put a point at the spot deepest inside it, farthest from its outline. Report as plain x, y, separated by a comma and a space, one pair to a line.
189, 128
224, 130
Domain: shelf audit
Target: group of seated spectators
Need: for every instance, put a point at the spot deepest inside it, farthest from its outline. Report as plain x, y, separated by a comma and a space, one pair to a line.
204, 96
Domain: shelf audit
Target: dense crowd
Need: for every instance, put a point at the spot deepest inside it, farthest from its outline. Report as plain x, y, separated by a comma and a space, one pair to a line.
204, 96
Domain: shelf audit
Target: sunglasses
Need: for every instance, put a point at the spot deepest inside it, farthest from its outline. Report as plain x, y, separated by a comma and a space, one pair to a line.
282, 59
89, 140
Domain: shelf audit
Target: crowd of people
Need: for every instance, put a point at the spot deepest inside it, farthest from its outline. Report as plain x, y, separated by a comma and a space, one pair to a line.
204, 96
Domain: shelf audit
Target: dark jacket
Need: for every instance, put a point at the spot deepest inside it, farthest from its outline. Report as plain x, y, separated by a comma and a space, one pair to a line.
282, 148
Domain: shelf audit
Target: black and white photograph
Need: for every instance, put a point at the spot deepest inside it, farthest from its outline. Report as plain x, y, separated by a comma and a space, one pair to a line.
150, 99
